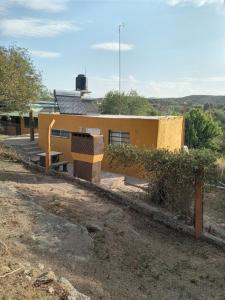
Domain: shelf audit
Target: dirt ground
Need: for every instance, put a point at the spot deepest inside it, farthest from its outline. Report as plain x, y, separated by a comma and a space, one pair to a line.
214, 207
126, 256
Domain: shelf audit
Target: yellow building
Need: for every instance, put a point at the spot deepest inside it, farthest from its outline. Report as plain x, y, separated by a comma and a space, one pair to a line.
161, 132
75, 113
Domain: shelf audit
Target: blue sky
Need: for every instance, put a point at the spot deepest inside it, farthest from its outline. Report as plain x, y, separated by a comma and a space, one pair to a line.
169, 47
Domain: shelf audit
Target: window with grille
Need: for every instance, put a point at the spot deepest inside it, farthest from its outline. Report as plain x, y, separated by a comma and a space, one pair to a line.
61, 133
119, 137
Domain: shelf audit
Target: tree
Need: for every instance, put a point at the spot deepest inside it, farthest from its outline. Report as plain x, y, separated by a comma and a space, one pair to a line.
219, 115
46, 94
20, 82
201, 130
126, 104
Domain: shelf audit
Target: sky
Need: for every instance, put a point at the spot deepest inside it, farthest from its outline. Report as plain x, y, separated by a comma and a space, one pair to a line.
169, 48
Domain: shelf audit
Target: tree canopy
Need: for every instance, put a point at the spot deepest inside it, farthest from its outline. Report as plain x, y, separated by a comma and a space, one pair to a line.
46, 94
201, 130
126, 104
20, 82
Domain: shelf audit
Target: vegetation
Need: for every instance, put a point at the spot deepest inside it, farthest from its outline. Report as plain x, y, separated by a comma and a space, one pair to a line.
202, 131
126, 104
219, 115
7, 153
45, 94
171, 176
20, 82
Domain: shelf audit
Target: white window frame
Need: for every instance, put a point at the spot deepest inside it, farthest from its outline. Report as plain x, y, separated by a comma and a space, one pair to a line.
61, 133
119, 137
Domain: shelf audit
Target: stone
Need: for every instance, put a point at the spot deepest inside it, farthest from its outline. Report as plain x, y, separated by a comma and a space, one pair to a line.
5, 269
72, 293
28, 278
93, 227
41, 266
32, 272
51, 290
185, 149
45, 278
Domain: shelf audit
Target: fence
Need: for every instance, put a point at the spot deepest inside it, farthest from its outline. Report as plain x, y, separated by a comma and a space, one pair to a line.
176, 181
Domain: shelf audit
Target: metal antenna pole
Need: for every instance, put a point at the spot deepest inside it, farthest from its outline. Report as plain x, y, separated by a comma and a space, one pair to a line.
119, 59
120, 26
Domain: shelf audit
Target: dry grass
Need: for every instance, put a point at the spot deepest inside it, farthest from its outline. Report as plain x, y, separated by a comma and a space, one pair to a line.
221, 168
221, 162
7, 153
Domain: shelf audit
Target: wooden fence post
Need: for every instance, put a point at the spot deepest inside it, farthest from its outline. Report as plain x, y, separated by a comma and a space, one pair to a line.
48, 148
199, 189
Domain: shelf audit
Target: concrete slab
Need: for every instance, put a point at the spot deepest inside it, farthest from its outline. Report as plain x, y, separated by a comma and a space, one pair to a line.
141, 183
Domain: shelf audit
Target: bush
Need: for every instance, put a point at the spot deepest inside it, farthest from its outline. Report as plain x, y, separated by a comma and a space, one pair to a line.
201, 130
171, 175
126, 104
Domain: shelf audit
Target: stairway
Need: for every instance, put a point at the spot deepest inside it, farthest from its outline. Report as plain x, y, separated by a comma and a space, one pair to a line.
29, 150
24, 147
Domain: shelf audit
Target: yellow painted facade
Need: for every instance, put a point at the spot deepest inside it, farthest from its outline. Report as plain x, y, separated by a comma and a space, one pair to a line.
145, 132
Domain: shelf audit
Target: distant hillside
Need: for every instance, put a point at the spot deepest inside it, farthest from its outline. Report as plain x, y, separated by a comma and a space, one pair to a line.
193, 99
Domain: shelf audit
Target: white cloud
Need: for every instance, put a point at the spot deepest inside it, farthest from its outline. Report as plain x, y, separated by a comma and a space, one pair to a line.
45, 54
194, 2
101, 85
111, 46
2, 8
160, 88
47, 5
44, 5
34, 27
186, 86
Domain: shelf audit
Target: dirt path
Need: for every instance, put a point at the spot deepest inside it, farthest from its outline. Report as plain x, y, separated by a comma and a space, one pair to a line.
43, 223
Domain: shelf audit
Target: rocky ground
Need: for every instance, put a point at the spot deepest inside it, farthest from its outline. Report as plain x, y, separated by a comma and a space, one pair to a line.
105, 250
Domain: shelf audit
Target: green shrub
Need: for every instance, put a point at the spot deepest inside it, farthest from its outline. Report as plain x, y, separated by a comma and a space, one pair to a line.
201, 130
126, 104
171, 175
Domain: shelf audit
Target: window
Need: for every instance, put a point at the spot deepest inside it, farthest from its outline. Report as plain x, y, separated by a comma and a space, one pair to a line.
61, 133
119, 137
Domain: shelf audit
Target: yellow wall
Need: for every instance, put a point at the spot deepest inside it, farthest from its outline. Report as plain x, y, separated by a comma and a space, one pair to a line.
170, 133
144, 133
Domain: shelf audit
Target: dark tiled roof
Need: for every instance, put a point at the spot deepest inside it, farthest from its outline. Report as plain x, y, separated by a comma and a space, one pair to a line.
71, 103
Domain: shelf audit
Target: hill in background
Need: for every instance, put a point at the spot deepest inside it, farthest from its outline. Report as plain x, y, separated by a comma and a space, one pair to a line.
193, 99
181, 104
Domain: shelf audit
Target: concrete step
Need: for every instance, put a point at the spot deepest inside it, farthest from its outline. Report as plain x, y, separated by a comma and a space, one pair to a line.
36, 148
27, 144
31, 152
112, 180
34, 152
